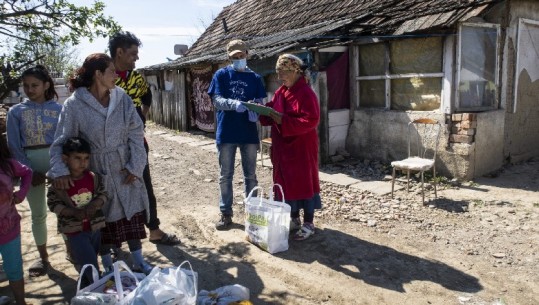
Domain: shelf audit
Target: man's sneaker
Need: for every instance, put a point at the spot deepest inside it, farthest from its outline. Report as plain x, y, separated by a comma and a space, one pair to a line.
224, 222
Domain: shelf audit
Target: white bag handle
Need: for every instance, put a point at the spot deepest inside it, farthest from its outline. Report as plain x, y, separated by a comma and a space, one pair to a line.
271, 192
95, 275
251, 193
192, 272
118, 278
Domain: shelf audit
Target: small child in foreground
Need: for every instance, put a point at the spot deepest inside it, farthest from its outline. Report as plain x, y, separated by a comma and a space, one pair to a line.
78, 208
10, 220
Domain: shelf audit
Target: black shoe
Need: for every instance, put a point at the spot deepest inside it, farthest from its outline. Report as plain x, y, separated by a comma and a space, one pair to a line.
224, 222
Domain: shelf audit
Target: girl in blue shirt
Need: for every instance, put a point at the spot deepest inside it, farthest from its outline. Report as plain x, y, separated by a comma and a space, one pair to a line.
30, 131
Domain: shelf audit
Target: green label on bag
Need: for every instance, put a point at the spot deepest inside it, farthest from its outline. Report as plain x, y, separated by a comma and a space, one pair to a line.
257, 220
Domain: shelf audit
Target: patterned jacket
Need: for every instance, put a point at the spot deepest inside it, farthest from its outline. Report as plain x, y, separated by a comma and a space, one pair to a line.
57, 200
138, 90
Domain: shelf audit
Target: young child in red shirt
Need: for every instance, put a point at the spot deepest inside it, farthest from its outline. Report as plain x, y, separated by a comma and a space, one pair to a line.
78, 208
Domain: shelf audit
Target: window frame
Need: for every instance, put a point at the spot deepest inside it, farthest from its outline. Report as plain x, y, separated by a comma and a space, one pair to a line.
458, 67
388, 77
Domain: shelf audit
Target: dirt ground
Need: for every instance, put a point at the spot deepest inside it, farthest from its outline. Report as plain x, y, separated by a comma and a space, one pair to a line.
476, 244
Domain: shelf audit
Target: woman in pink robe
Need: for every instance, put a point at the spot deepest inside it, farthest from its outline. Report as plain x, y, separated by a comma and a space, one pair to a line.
294, 151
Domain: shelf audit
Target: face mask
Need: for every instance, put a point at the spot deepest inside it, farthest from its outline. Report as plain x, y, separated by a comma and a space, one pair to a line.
239, 64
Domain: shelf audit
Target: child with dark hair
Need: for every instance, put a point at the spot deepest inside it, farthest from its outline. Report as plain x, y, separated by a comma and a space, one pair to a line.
30, 131
78, 208
10, 220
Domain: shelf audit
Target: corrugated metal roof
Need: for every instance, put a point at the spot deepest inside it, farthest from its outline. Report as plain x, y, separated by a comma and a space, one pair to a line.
273, 26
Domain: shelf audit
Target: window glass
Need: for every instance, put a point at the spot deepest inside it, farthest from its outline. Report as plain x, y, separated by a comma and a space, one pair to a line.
477, 85
422, 94
372, 93
416, 55
371, 59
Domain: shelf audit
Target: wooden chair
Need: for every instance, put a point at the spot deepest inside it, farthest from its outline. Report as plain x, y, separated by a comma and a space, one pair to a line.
423, 138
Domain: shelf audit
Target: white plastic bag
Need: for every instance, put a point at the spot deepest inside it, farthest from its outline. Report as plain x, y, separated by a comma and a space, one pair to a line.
94, 294
170, 286
223, 295
267, 221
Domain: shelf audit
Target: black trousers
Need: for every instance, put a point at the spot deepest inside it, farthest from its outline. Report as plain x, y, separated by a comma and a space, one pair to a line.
153, 222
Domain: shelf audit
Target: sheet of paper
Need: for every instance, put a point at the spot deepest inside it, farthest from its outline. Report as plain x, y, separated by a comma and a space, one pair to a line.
260, 109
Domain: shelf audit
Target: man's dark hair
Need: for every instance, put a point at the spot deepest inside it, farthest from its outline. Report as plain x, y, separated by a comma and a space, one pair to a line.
122, 40
76, 145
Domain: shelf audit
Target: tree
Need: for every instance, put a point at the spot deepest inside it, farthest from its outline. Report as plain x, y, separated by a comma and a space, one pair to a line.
51, 23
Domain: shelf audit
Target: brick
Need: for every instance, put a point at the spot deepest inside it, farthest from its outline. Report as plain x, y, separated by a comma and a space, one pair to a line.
466, 131
469, 117
461, 138
468, 124
456, 117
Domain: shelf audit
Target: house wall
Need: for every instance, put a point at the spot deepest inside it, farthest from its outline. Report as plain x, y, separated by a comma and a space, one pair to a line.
521, 139
383, 135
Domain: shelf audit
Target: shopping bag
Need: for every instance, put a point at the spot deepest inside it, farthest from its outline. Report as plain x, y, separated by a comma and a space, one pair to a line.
267, 221
122, 291
223, 295
170, 286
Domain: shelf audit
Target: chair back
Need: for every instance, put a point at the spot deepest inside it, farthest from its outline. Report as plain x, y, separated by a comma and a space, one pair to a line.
423, 138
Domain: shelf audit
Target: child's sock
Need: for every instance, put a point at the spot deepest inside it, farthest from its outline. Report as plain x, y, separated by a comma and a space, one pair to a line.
140, 262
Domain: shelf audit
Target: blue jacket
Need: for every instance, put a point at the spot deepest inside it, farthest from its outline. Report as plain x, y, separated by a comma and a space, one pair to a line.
31, 124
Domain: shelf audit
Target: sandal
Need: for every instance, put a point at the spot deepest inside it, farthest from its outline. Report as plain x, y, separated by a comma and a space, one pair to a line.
167, 240
39, 268
305, 232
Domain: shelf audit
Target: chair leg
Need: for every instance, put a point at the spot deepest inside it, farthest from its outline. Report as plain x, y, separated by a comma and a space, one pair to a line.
434, 175
422, 188
408, 180
392, 183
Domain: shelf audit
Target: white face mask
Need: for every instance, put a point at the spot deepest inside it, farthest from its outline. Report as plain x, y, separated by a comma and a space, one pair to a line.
239, 64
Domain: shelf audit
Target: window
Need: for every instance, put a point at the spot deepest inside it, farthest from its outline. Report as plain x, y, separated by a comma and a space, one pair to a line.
477, 72
401, 74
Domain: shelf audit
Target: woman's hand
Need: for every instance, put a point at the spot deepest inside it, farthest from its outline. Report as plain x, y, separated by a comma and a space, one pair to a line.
38, 178
63, 182
130, 178
276, 116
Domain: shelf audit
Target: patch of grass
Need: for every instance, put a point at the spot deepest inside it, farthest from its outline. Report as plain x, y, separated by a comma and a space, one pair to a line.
536, 204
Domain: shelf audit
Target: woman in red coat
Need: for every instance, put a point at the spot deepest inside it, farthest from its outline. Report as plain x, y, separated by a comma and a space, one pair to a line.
294, 151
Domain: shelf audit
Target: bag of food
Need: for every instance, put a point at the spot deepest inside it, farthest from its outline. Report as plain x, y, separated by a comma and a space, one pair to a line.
115, 288
170, 286
267, 221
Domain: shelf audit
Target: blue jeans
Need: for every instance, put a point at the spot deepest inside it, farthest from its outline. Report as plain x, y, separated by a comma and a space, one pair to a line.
226, 153
84, 249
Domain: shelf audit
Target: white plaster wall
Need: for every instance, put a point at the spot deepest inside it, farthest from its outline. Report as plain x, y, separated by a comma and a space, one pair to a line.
489, 138
521, 103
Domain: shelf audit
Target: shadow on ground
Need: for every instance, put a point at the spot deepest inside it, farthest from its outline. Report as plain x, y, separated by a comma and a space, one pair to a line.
376, 265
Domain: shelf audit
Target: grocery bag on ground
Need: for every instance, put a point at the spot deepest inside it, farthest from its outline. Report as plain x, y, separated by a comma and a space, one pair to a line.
267, 221
115, 288
170, 286
223, 295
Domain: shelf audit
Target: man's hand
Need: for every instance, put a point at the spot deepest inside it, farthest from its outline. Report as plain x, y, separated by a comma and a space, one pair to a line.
63, 182
240, 107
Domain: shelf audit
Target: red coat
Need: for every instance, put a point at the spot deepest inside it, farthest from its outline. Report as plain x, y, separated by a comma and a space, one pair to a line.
294, 149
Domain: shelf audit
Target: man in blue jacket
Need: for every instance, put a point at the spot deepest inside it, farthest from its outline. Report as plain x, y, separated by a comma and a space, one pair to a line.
236, 126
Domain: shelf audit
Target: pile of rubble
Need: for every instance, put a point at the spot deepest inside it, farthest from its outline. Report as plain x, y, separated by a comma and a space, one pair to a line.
351, 204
